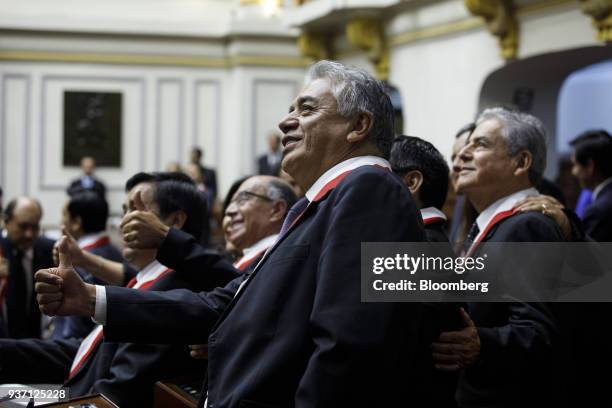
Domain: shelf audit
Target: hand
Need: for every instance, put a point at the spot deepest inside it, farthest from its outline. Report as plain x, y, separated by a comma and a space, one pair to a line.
142, 229
459, 349
548, 206
61, 291
75, 253
4, 267
199, 351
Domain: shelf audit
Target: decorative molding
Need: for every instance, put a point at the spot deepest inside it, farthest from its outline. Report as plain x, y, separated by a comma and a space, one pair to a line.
25, 140
601, 13
156, 60
254, 124
215, 83
313, 46
368, 35
158, 117
45, 79
468, 24
500, 19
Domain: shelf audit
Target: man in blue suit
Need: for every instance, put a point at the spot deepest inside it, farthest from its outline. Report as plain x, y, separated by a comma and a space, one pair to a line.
592, 166
295, 332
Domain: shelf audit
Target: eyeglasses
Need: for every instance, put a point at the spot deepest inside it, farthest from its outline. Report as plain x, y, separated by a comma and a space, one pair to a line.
244, 196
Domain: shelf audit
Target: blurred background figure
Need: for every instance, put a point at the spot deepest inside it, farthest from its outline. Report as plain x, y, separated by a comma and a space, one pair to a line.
87, 181
592, 166
269, 164
25, 252
174, 167
84, 217
209, 176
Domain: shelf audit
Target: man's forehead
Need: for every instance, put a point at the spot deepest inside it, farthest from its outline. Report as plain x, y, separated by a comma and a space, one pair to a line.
252, 184
26, 208
314, 90
145, 189
489, 129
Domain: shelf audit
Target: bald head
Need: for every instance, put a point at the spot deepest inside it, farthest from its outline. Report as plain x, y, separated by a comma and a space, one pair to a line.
22, 221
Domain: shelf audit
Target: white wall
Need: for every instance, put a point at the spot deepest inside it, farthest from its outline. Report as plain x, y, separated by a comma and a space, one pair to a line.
440, 78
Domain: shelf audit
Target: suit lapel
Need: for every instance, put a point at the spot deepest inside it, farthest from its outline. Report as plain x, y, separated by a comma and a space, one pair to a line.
309, 210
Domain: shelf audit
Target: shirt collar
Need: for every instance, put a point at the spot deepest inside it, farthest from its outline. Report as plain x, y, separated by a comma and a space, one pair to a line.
342, 167
600, 187
150, 271
503, 204
89, 239
259, 246
432, 212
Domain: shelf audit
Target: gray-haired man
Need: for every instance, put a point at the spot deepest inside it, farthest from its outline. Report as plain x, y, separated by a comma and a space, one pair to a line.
295, 333
506, 349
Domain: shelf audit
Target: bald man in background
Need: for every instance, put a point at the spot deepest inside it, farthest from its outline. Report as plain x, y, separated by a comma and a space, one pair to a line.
25, 252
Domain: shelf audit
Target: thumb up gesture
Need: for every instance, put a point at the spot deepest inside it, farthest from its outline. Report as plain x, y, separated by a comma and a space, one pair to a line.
61, 291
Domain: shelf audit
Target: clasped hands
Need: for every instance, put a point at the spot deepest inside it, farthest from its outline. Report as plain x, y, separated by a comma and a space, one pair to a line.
457, 350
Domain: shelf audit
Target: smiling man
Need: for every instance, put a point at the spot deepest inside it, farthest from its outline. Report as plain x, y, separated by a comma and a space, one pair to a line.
255, 216
507, 353
295, 333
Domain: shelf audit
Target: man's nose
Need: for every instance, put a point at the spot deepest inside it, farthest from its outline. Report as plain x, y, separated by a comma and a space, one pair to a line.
288, 123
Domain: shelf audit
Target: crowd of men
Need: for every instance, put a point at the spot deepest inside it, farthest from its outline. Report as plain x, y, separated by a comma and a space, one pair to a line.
275, 318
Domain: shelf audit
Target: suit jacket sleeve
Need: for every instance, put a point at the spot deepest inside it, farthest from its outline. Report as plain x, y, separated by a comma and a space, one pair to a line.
350, 336
181, 252
36, 361
178, 316
531, 328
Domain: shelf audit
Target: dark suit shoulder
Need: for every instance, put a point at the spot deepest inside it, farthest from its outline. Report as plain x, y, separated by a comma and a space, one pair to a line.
370, 181
529, 226
44, 243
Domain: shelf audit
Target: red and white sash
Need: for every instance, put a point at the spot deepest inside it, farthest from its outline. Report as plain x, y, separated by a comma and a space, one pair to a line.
252, 253
88, 243
153, 273
431, 215
327, 182
497, 212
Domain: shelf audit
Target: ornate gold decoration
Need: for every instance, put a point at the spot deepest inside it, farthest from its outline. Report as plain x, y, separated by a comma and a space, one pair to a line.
313, 46
601, 12
368, 34
500, 18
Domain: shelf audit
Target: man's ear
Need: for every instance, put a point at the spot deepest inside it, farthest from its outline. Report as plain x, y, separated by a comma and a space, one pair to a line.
76, 224
523, 163
177, 219
590, 168
362, 123
278, 211
413, 180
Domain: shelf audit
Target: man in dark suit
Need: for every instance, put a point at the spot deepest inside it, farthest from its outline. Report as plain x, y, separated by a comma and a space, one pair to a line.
25, 252
124, 372
269, 164
209, 175
425, 173
84, 217
592, 166
255, 216
87, 181
507, 351
295, 332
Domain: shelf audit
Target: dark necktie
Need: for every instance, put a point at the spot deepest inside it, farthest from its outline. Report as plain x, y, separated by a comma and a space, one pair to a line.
294, 212
471, 236
17, 296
